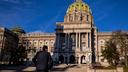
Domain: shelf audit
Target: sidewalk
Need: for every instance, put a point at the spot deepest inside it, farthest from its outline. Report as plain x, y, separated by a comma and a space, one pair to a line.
58, 68
28, 68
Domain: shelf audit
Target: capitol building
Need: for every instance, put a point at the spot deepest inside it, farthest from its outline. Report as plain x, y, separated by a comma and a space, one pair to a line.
76, 39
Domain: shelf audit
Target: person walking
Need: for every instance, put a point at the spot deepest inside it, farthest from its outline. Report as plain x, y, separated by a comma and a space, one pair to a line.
43, 60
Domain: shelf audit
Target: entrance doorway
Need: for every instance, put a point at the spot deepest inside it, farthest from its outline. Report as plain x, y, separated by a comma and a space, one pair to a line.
72, 59
83, 60
61, 59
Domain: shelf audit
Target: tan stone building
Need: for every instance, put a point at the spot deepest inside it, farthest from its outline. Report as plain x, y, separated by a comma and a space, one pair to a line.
8, 42
34, 42
77, 35
102, 37
77, 38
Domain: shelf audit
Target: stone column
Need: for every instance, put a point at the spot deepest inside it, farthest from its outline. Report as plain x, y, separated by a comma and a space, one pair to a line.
79, 40
89, 35
58, 39
67, 18
68, 43
76, 40
4, 39
90, 41
65, 40
87, 40
2, 47
79, 59
38, 45
73, 17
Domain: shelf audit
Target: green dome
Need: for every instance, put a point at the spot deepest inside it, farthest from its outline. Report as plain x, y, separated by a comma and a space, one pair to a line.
79, 6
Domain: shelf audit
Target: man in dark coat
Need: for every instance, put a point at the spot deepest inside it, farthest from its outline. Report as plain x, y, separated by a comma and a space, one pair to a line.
43, 60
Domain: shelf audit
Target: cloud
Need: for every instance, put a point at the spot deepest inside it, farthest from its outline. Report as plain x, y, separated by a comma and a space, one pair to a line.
18, 1
37, 31
14, 1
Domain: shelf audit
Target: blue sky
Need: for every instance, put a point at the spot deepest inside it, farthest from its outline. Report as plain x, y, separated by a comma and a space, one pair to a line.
41, 15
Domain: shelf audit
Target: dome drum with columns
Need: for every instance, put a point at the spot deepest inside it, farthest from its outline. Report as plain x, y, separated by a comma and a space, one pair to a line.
75, 38
79, 12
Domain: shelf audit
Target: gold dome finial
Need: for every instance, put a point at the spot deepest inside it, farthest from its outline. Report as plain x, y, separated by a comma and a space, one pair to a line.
78, 0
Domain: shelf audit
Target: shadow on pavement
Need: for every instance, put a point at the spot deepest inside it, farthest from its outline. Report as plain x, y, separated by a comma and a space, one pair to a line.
64, 68
13, 68
31, 68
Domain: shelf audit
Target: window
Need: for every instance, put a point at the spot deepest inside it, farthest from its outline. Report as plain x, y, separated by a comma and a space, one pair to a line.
102, 60
83, 36
81, 18
29, 47
52, 49
25, 43
40, 42
40, 48
83, 42
30, 43
87, 17
51, 42
46, 42
102, 48
34, 42
102, 41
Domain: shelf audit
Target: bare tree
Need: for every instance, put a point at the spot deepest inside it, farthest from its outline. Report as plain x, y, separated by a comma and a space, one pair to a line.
120, 38
118, 42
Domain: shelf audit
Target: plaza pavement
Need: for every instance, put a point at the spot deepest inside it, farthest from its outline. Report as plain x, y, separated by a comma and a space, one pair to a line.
58, 68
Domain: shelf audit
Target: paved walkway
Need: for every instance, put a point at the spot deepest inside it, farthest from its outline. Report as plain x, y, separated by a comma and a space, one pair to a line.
59, 68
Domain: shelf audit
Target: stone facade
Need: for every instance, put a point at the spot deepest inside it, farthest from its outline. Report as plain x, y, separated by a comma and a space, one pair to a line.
77, 35
34, 42
77, 38
8, 42
102, 37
